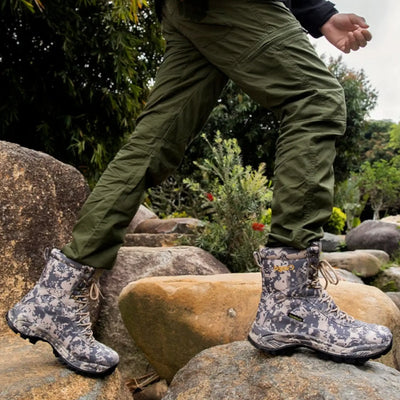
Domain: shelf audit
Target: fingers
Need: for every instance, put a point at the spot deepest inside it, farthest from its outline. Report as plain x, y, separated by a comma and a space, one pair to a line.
358, 21
361, 37
358, 38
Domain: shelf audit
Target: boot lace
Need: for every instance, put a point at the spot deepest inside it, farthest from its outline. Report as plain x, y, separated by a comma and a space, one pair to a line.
88, 291
330, 276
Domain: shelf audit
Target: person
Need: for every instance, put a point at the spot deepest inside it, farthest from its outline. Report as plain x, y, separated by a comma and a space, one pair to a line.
263, 47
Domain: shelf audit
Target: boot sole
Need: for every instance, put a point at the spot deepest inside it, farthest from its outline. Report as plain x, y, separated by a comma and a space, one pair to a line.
349, 359
62, 360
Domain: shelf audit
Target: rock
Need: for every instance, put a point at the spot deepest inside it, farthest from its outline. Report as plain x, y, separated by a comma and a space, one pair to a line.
237, 371
153, 392
157, 239
395, 297
134, 263
169, 225
30, 372
347, 276
369, 304
181, 316
173, 318
374, 235
39, 199
142, 214
392, 219
379, 254
360, 263
331, 242
389, 279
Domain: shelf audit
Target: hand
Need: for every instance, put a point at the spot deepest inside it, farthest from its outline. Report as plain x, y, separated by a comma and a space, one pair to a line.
346, 32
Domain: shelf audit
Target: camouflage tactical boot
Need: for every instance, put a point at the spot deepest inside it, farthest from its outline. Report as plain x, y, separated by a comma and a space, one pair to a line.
295, 310
56, 311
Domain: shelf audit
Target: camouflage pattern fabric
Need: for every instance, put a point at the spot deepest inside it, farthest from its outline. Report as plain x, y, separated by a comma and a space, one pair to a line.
295, 310
56, 311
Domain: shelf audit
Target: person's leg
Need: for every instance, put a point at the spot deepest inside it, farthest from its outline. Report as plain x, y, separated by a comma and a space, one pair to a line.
264, 50
186, 89
56, 309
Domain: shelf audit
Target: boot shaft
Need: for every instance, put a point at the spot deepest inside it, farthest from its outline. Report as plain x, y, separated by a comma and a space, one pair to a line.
287, 270
63, 275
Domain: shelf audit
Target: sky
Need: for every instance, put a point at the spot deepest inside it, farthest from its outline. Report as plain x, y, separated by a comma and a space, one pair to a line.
380, 59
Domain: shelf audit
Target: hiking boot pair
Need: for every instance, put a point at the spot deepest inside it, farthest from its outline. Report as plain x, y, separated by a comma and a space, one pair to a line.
295, 310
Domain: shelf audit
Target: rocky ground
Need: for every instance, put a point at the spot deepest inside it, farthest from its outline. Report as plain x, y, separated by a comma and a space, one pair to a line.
175, 314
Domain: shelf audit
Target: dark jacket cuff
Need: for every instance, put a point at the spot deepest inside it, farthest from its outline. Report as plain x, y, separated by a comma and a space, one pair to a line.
312, 14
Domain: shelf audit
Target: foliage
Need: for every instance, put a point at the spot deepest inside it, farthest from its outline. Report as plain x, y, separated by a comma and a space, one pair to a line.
337, 222
173, 197
239, 198
374, 144
380, 181
74, 76
360, 100
348, 197
395, 137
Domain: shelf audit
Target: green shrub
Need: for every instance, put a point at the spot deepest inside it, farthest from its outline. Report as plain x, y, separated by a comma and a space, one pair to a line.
337, 221
238, 200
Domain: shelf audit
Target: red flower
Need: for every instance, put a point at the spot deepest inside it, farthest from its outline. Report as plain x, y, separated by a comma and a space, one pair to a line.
257, 226
210, 196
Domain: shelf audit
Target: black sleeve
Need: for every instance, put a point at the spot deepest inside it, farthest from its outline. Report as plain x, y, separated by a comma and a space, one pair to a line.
312, 14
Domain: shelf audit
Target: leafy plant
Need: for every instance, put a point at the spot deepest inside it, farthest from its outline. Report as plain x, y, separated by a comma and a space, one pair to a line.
239, 199
380, 181
337, 222
74, 76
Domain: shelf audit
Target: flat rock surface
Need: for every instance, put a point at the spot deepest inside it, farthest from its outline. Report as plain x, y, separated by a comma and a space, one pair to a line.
30, 372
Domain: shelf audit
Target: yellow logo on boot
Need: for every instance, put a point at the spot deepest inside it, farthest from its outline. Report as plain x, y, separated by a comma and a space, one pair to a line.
284, 268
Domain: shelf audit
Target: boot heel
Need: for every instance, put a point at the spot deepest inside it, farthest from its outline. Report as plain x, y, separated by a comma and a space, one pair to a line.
32, 339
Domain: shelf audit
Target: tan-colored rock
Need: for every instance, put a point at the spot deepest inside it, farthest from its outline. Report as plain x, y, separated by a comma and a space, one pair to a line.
393, 219
157, 239
237, 371
142, 214
30, 372
40, 198
361, 263
379, 254
173, 318
169, 225
132, 264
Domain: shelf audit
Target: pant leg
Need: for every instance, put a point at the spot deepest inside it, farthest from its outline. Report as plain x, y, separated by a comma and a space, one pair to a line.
186, 89
265, 51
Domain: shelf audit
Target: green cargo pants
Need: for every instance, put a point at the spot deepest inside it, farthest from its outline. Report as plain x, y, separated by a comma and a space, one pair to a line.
260, 46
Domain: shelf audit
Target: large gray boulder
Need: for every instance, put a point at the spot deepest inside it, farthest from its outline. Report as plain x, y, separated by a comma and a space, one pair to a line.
374, 235
39, 201
239, 371
132, 264
331, 242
